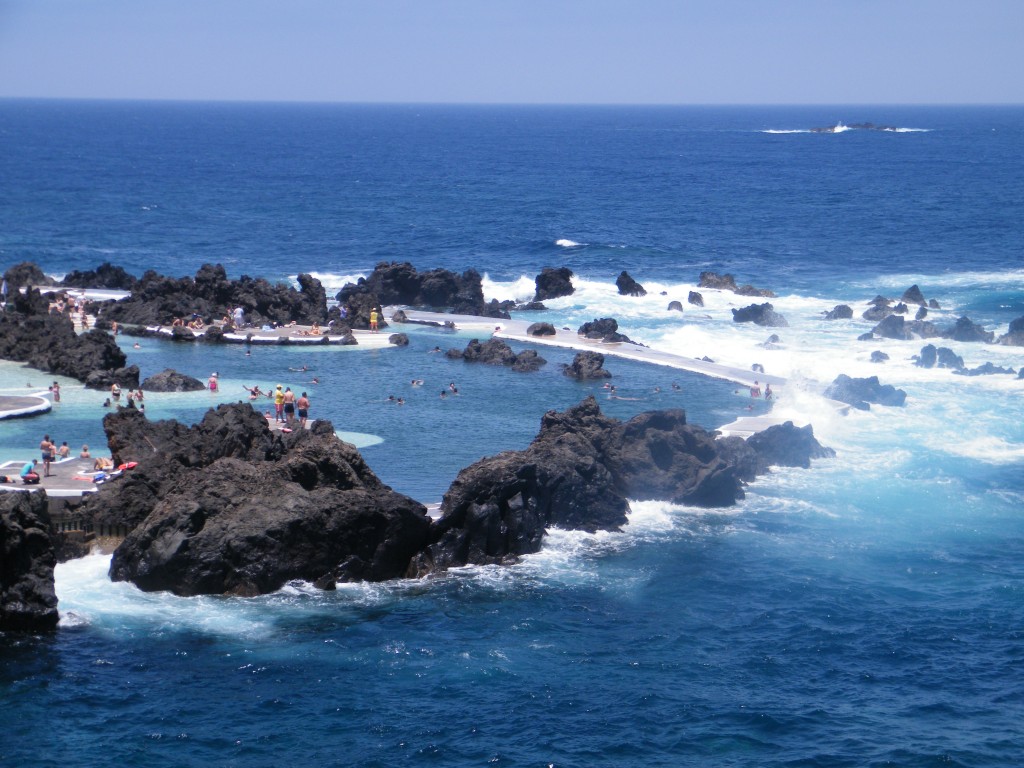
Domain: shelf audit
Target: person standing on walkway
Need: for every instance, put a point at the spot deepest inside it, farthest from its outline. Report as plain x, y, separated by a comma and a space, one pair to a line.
47, 449
373, 320
303, 406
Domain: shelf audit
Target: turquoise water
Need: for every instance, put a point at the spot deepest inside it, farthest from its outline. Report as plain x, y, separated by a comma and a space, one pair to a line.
865, 612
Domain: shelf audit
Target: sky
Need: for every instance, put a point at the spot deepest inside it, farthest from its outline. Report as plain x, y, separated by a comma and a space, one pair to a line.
517, 51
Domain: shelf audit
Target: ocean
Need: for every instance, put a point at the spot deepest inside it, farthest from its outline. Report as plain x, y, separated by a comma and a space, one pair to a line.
868, 611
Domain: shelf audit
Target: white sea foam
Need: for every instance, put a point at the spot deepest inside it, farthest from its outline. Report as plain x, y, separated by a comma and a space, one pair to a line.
331, 281
566, 243
988, 449
789, 130
521, 289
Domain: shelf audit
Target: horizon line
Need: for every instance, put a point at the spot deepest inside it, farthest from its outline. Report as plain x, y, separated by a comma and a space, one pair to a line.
326, 102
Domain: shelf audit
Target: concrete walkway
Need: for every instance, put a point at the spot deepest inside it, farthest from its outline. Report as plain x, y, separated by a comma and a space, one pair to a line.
515, 330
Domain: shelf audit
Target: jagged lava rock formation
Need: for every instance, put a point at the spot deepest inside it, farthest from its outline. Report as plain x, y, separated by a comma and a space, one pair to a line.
229, 507
579, 473
28, 601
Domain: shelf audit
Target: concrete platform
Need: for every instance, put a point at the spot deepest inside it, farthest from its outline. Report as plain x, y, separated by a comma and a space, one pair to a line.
18, 406
292, 334
70, 477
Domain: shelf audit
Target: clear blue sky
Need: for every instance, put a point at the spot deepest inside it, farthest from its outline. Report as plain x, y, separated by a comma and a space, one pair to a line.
517, 51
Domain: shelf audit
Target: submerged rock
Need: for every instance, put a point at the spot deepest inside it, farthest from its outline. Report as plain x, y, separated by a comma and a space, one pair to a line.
169, 380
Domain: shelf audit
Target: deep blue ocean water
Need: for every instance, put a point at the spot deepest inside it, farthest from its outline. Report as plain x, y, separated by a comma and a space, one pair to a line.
866, 612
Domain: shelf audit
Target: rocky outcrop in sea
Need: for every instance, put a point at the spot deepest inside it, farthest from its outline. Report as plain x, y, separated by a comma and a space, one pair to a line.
497, 352
553, 283
861, 392
628, 286
760, 314
587, 366
581, 470
727, 282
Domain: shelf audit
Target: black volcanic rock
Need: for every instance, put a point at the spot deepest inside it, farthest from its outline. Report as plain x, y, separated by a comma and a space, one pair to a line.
1014, 335
892, 327
106, 275
921, 314
587, 366
578, 474
913, 295
786, 445
28, 601
943, 357
540, 329
553, 283
839, 312
228, 507
169, 380
628, 286
159, 300
878, 356
860, 392
760, 314
695, 298
727, 282
605, 329
675, 306
438, 289
497, 352
967, 330
724, 282
399, 339
48, 342
986, 369
26, 274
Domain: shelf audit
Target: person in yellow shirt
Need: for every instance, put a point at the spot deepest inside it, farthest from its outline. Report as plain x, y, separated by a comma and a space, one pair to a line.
279, 404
